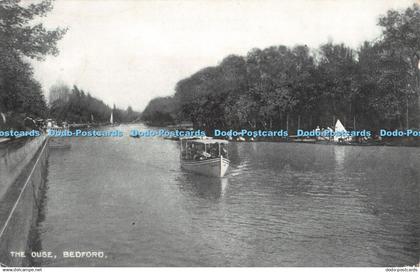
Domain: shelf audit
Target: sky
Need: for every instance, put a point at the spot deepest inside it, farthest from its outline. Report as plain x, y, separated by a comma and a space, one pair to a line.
128, 52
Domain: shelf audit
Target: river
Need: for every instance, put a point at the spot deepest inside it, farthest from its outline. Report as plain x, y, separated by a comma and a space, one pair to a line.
281, 204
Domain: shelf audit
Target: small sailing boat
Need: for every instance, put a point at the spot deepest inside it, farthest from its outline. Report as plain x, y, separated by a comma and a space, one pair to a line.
207, 156
111, 119
339, 128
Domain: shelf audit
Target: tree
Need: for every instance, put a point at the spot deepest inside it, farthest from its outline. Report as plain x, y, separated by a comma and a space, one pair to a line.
21, 37
376, 86
59, 91
401, 40
160, 111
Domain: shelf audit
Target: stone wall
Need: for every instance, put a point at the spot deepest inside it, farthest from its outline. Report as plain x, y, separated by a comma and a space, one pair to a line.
23, 173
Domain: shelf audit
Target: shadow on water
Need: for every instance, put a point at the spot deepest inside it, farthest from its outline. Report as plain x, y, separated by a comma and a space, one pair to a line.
211, 188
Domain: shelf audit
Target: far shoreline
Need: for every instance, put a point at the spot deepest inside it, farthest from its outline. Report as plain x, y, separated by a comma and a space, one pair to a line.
385, 141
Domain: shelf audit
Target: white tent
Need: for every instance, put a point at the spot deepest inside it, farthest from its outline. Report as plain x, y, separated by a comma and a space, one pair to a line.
339, 128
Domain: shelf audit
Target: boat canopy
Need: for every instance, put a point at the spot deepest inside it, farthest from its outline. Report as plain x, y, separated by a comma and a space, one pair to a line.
203, 149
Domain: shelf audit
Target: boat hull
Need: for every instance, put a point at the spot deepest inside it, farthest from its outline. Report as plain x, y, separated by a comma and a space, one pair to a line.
212, 167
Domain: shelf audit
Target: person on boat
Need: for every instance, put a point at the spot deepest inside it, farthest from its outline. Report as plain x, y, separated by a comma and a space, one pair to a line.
223, 151
201, 155
214, 151
191, 151
205, 155
196, 151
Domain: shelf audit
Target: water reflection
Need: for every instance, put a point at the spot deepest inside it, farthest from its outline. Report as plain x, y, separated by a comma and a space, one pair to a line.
281, 204
211, 188
339, 154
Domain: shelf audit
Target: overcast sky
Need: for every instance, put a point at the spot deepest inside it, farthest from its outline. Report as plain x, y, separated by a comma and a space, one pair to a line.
129, 51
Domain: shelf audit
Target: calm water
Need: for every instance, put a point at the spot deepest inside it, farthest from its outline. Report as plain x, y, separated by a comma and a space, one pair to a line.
280, 205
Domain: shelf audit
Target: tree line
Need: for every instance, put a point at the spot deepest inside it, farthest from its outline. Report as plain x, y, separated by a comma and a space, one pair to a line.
376, 86
78, 106
23, 38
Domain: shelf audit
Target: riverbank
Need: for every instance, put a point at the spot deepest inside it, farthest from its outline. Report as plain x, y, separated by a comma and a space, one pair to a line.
411, 142
284, 136
385, 141
22, 175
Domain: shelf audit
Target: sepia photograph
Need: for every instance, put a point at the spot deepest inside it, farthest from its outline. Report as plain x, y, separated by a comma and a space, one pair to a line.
210, 133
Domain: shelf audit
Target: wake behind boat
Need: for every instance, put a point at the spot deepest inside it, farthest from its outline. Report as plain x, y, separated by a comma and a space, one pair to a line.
207, 157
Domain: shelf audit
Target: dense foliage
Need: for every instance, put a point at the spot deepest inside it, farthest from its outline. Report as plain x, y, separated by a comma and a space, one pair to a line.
21, 38
161, 111
77, 106
376, 86
21, 96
